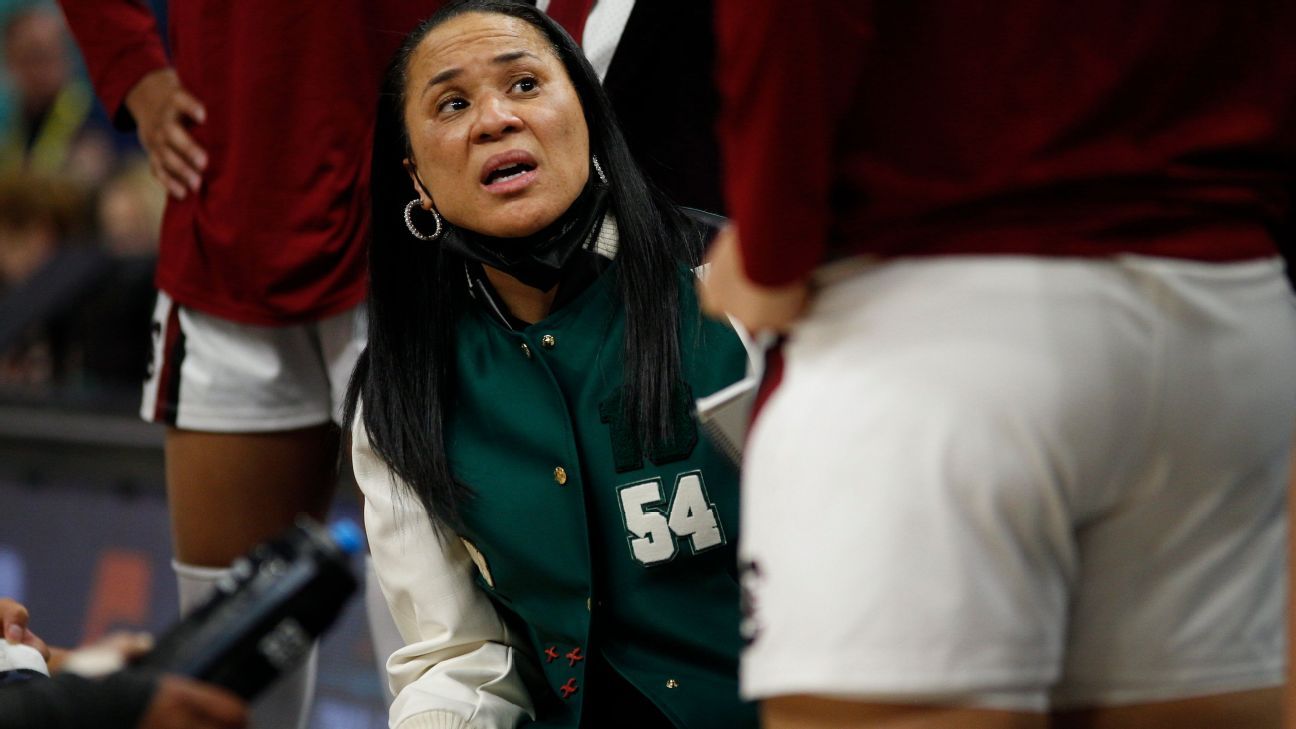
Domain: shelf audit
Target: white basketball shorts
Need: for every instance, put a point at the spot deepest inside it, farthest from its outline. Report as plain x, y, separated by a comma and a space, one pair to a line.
1024, 483
212, 374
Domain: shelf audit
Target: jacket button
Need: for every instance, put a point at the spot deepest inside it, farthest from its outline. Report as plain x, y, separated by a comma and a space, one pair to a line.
526, 350
548, 341
672, 683
560, 475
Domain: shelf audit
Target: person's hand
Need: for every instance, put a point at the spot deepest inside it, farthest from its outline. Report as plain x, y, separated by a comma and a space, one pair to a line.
163, 108
109, 654
180, 703
13, 626
727, 290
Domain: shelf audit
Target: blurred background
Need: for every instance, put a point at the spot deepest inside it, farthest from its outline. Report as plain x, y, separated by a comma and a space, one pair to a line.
84, 541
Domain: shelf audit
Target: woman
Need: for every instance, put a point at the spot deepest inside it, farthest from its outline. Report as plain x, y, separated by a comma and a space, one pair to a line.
553, 535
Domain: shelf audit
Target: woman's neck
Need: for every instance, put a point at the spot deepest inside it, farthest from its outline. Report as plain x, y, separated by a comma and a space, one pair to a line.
524, 302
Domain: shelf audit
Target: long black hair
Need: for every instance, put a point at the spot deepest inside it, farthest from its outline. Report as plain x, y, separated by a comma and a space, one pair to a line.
406, 377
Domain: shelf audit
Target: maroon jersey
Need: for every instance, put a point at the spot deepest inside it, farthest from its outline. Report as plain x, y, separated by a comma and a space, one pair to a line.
276, 233
910, 128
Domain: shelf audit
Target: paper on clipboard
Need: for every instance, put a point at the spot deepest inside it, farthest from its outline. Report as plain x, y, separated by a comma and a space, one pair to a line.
726, 414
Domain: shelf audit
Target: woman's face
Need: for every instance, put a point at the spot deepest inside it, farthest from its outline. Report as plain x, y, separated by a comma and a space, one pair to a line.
496, 128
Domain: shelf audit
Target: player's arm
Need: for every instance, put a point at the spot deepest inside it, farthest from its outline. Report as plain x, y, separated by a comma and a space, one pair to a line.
180, 703
460, 660
131, 74
124, 700
726, 290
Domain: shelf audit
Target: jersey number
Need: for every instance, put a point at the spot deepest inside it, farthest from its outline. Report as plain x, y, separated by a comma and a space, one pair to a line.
653, 533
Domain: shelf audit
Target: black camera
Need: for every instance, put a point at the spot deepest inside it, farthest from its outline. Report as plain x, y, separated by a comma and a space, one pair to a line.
264, 617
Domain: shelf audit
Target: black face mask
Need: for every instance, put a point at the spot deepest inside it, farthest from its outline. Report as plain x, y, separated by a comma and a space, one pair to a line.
536, 260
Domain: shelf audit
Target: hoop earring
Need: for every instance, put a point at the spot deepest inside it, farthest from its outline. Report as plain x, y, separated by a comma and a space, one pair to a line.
409, 222
598, 169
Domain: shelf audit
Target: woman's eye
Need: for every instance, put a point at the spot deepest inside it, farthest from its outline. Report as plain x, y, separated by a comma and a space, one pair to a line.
526, 85
455, 104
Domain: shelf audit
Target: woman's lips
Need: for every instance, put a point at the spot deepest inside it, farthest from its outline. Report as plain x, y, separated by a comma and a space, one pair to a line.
512, 183
509, 171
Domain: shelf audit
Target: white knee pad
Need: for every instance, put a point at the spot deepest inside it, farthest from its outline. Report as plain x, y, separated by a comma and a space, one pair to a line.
286, 704
382, 627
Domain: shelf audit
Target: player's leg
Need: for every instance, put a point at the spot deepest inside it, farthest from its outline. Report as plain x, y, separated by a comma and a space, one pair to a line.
251, 445
230, 491
812, 712
251, 441
1259, 709
1242, 710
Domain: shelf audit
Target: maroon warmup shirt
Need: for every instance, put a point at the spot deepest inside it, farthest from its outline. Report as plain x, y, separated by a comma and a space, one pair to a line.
276, 233
1036, 127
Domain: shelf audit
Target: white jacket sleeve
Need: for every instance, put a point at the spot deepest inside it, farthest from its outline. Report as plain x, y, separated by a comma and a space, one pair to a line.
459, 667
